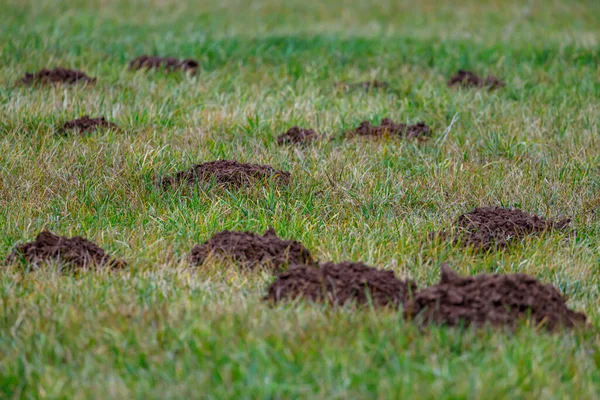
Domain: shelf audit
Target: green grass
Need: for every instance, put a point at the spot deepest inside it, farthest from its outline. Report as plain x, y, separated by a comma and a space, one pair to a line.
160, 330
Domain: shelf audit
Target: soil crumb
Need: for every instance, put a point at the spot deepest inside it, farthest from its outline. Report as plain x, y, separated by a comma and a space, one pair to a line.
296, 135
250, 250
497, 300
470, 79
86, 124
227, 173
75, 252
364, 85
166, 63
338, 284
390, 128
57, 75
489, 227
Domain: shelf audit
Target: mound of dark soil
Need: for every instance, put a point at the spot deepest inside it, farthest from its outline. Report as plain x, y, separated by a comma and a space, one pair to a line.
76, 252
365, 85
227, 173
470, 79
497, 300
390, 128
250, 250
486, 227
166, 63
57, 75
296, 135
339, 284
86, 124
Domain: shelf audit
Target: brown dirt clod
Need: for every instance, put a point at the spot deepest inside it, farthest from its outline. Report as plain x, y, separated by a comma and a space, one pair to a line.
339, 284
250, 250
390, 128
57, 75
76, 252
496, 300
227, 173
470, 79
296, 135
86, 124
486, 227
166, 63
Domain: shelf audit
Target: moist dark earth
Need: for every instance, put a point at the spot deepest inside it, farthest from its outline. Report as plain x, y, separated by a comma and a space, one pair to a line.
489, 227
338, 284
470, 79
296, 135
250, 250
227, 173
390, 128
75, 252
86, 124
496, 300
166, 63
57, 75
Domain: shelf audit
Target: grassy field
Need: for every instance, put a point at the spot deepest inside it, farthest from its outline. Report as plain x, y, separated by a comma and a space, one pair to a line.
161, 330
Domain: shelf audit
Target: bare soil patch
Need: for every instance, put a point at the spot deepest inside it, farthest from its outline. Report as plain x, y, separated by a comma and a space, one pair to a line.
76, 252
86, 124
496, 300
166, 63
54, 76
251, 250
489, 227
390, 128
470, 79
338, 284
296, 135
228, 173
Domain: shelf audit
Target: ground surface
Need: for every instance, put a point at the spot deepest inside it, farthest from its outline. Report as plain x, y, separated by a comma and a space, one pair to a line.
158, 330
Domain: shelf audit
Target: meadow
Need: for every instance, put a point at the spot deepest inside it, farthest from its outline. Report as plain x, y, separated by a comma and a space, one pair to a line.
161, 329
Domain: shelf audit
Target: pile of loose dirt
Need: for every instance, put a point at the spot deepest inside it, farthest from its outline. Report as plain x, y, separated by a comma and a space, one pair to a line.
486, 227
365, 85
57, 75
470, 79
251, 250
227, 173
296, 135
390, 128
497, 300
339, 284
166, 63
86, 124
76, 252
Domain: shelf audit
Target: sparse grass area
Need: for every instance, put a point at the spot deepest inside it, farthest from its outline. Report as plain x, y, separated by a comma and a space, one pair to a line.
159, 330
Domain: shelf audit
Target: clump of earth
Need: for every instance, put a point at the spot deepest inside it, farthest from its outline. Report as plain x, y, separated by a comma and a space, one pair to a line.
296, 135
470, 79
250, 250
57, 75
86, 124
166, 63
496, 300
390, 128
339, 284
487, 227
76, 252
228, 173
365, 85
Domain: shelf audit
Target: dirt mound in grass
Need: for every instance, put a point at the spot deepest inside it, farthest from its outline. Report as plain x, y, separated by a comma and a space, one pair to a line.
227, 173
86, 124
57, 75
251, 250
486, 227
470, 79
390, 128
76, 252
339, 284
296, 135
166, 63
497, 300
364, 85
